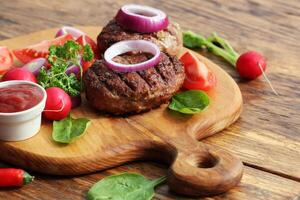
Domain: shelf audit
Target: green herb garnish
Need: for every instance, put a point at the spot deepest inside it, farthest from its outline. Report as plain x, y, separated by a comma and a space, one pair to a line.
214, 44
57, 77
127, 186
69, 129
189, 102
88, 53
60, 58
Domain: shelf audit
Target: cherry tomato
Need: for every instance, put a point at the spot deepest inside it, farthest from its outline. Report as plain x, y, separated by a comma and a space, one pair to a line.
198, 76
19, 74
6, 60
39, 50
58, 104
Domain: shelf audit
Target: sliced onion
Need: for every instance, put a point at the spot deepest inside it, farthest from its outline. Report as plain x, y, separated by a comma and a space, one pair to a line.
76, 33
129, 46
142, 19
76, 101
73, 69
35, 65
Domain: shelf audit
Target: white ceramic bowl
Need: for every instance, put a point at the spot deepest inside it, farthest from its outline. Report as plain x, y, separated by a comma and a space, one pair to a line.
21, 125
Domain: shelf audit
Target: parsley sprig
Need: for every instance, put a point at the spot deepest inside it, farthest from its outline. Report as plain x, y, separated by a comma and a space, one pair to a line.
60, 58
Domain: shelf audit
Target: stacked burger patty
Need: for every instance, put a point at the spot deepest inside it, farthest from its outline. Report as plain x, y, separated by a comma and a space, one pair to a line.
117, 92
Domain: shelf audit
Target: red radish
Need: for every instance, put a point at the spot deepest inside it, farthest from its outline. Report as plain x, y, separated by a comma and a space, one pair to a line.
19, 74
251, 65
58, 104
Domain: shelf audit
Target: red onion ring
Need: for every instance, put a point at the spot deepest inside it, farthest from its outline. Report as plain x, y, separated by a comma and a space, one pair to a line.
129, 46
76, 33
35, 65
73, 69
143, 19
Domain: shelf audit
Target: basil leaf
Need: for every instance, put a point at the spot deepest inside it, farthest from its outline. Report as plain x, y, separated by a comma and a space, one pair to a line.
125, 186
189, 102
69, 129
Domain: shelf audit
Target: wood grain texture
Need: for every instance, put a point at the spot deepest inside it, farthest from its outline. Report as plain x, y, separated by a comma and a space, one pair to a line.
198, 169
255, 185
266, 136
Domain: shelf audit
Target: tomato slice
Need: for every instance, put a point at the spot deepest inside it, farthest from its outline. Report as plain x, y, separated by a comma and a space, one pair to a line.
87, 64
198, 76
6, 60
84, 39
61, 40
39, 50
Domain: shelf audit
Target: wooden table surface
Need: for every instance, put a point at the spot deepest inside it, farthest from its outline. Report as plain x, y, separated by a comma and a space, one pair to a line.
266, 137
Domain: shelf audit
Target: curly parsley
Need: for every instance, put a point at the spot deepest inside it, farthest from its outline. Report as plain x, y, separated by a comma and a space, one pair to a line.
60, 58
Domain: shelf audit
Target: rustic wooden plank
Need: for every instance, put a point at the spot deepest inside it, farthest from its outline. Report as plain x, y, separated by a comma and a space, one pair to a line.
254, 185
263, 150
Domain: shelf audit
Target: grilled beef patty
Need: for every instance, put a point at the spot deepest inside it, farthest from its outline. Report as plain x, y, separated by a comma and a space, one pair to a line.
169, 40
133, 92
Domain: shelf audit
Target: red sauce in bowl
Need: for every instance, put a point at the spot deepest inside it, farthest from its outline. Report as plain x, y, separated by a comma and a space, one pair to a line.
20, 97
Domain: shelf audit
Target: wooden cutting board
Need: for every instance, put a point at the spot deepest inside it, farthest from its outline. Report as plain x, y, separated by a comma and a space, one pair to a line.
160, 135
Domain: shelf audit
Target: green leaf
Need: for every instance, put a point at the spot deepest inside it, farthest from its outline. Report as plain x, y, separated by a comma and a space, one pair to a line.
125, 186
69, 129
189, 102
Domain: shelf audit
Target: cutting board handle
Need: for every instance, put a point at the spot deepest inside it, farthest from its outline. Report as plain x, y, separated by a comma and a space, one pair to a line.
202, 170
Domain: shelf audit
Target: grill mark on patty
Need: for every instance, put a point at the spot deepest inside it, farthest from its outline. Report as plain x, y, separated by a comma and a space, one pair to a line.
118, 86
142, 78
141, 74
151, 77
112, 81
167, 72
133, 79
177, 66
159, 73
102, 78
95, 80
126, 82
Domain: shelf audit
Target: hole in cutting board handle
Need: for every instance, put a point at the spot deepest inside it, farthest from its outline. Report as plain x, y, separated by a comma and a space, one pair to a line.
204, 171
202, 161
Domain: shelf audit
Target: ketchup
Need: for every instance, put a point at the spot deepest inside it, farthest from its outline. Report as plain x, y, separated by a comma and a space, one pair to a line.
16, 98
